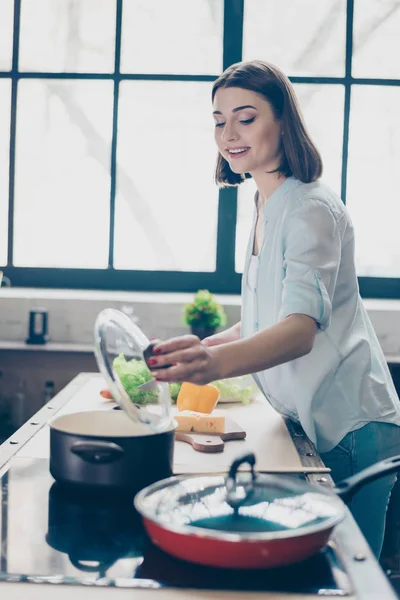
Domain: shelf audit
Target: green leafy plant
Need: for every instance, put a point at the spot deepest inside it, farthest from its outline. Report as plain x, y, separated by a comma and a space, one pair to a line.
204, 311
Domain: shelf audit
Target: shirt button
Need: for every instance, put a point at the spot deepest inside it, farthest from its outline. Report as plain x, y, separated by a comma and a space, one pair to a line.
319, 276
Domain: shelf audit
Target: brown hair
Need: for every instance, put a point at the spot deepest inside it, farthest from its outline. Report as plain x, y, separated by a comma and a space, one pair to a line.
299, 156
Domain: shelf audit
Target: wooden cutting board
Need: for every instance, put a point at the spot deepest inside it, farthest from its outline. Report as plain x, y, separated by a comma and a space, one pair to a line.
213, 442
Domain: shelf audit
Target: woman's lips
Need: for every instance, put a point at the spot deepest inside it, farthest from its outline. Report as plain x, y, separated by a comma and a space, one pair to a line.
238, 154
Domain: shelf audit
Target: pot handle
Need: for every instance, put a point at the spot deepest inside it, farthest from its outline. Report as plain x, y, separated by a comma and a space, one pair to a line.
97, 452
97, 566
348, 487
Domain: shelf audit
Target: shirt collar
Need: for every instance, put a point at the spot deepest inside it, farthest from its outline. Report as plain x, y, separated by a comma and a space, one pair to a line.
274, 202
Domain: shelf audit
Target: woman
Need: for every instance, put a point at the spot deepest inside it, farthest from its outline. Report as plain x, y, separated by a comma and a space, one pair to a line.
304, 333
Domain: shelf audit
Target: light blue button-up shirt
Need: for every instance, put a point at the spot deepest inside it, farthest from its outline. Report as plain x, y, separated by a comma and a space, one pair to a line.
306, 265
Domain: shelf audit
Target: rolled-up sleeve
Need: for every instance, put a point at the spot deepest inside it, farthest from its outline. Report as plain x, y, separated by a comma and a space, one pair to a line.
312, 251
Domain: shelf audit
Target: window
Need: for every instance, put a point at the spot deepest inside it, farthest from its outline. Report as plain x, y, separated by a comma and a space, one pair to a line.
106, 137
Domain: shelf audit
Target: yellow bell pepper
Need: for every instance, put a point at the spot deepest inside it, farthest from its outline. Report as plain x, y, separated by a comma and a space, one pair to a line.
198, 398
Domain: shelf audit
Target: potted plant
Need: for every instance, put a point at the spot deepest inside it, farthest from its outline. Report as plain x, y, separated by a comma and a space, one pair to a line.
204, 315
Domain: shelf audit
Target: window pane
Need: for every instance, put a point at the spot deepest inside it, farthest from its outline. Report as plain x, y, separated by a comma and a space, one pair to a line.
376, 39
67, 36
6, 34
172, 37
372, 187
166, 212
322, 107
62, 193
302, 38
5, 91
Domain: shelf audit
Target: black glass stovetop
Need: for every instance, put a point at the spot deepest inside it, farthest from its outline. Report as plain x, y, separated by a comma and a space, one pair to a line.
49, 534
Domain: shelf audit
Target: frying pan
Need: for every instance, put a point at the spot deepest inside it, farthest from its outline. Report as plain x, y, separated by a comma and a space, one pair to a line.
247, 519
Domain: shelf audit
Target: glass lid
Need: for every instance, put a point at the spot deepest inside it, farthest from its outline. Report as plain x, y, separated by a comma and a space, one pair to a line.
245, 505
120, 348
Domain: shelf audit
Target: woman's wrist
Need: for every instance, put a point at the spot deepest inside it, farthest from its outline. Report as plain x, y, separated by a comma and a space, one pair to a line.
229, 335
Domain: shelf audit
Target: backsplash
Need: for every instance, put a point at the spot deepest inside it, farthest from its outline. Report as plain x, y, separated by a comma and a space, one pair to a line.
71, 318
72, 314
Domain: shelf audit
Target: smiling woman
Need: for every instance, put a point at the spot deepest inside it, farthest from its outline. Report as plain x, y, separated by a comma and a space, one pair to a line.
251, 98
304, 332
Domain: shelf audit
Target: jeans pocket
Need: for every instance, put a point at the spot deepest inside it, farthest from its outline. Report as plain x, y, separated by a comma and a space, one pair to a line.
346, 444
340, 459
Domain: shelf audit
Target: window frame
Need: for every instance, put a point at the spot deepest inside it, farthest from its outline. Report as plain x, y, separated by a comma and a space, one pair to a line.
225, 280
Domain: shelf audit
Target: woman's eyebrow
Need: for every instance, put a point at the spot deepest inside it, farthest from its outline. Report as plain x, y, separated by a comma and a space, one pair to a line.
234, 110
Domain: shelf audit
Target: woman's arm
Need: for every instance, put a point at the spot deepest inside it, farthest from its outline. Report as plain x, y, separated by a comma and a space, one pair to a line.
289, 339
229, 335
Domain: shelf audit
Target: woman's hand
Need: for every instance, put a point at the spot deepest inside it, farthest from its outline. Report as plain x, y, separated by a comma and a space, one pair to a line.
192, 361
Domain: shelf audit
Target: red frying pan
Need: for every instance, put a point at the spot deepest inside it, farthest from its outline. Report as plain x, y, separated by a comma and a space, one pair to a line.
247, 519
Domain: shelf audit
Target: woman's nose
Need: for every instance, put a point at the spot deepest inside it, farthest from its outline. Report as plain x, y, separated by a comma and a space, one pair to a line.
229, 134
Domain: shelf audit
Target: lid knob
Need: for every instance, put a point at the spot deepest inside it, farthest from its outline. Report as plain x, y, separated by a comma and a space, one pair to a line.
237, 494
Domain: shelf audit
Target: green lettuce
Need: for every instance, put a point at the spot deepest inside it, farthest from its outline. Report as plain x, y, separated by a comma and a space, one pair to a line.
235, 389
133, 373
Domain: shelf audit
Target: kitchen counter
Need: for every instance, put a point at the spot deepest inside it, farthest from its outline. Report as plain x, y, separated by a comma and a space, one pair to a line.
30, 443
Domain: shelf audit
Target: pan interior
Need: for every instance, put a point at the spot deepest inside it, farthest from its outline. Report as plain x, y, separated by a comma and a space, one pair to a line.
278, 507
100, 424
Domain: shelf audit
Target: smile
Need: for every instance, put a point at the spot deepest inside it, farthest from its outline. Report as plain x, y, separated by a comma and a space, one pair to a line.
236, 152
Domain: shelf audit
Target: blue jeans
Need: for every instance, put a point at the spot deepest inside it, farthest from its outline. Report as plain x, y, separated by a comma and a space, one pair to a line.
356, 451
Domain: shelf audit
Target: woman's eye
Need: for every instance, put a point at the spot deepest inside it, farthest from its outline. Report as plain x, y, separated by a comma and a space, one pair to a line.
248, 121
219, 124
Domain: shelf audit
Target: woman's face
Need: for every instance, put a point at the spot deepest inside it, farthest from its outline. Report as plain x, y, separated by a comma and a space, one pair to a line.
246, 131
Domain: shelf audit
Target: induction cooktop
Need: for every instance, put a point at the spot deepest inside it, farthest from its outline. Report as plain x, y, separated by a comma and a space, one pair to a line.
58, 536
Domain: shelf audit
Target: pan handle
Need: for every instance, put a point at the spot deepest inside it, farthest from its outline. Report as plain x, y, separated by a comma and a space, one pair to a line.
97, 452
348, 487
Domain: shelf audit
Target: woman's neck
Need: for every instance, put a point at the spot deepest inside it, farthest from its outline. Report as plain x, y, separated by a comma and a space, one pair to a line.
267, 184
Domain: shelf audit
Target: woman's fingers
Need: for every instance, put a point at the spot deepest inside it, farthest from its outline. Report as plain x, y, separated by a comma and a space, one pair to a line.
181, 356
190, 360
193, 372
181, 349
176, 343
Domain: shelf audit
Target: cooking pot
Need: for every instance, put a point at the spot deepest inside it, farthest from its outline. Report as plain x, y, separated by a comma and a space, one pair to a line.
247, 519
106, 452
116, 451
